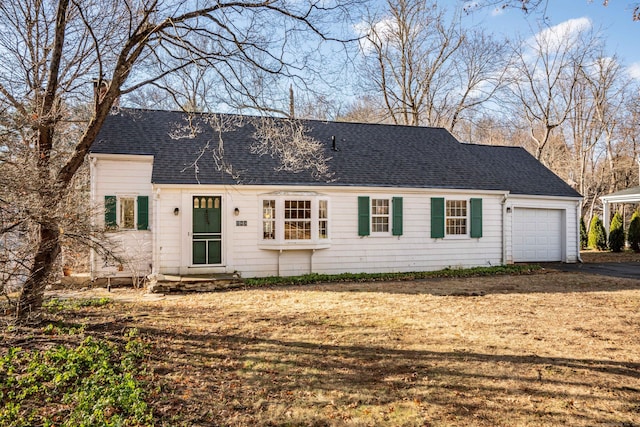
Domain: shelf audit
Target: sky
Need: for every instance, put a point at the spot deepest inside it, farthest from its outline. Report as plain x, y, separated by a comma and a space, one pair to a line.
615, 22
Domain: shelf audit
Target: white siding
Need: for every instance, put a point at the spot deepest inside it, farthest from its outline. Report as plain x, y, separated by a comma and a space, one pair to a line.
415, 250
169, 250
169, 225
119, 176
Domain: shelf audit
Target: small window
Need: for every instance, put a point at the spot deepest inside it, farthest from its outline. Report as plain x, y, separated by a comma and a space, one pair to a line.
323, 231
380, 215
269, 219
127, 213
456, 217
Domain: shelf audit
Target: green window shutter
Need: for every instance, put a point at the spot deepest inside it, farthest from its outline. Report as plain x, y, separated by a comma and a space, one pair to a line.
143, 213
363, 215
437, 217
476, 217
396, 203
110, 219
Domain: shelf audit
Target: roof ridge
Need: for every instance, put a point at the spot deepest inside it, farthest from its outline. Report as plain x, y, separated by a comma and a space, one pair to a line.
203, 113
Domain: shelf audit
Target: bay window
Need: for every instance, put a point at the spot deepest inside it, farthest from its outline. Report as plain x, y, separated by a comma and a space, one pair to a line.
294, 219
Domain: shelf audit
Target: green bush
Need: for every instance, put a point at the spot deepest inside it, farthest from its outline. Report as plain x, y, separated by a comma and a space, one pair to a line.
98, 383
584, 239
312, 278
634, 232
597, 235
616, 233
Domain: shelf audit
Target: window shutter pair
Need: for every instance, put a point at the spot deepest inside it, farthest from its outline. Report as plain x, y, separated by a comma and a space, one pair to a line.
364, 218
437, 217
111, 218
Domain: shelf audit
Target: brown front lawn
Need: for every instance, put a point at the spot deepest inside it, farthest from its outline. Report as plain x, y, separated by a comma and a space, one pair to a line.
545, 349
607, 256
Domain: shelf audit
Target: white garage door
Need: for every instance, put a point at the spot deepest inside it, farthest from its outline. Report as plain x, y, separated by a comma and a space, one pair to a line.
537, 235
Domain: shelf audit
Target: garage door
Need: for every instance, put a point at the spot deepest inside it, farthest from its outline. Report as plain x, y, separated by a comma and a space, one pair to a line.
537, 235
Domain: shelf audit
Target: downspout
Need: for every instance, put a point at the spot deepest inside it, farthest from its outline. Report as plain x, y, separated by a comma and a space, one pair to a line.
505, 197
155, 258
578, 217
92, 196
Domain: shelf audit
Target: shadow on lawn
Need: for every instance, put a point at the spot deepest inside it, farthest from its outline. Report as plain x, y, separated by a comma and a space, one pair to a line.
495, 388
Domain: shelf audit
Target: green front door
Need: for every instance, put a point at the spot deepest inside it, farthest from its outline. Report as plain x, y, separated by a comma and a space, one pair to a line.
207, 230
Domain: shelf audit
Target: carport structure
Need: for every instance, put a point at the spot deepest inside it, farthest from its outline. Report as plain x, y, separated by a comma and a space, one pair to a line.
629, 195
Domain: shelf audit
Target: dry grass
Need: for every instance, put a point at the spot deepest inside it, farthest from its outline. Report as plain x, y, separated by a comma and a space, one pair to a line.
546, 349
606, 256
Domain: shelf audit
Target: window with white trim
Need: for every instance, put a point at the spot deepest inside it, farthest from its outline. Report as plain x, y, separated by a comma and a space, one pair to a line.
290, 219
297, 219
323, 219
126, 212
269, 219
379, 215
456, 217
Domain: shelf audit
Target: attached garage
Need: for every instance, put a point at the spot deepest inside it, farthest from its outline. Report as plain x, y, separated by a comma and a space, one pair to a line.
537, 234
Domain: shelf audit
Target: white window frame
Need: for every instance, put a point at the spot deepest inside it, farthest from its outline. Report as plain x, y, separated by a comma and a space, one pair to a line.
268, 218
297, 206
373, 214
119, 213
466, 217
316, 241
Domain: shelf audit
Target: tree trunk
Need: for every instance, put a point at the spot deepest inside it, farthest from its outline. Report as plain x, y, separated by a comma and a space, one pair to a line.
47, 252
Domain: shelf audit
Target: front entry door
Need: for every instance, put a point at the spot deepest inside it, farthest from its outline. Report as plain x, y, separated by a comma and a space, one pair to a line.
207, 230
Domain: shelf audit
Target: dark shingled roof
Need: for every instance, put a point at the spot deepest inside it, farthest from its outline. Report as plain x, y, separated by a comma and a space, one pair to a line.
374, 155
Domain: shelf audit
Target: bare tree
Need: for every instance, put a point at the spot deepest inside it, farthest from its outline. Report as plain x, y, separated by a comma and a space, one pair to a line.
404, 56
364, 109
52, 48
425, 67
629, 136
532, 6
543, 76
600, 96
479, 73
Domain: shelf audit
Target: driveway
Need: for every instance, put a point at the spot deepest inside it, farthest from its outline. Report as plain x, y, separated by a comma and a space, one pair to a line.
627, 270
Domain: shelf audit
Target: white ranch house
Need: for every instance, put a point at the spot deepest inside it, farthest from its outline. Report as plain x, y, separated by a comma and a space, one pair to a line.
399, 199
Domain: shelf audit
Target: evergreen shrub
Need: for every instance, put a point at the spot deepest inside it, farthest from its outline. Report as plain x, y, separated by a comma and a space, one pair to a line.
616, 233
597, 235
584, 239
633, 234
